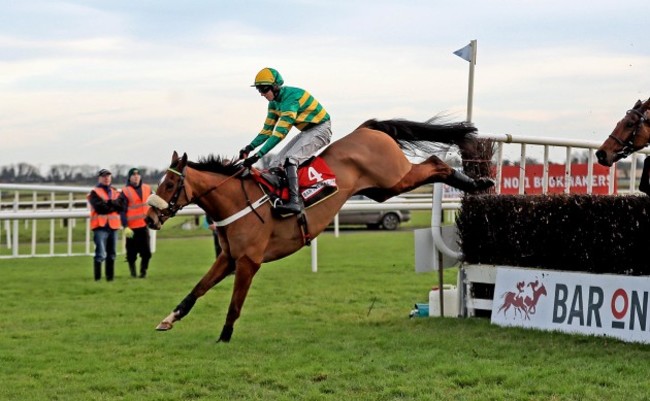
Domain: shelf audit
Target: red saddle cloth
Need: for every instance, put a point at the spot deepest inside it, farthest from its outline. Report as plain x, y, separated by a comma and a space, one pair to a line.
316, 182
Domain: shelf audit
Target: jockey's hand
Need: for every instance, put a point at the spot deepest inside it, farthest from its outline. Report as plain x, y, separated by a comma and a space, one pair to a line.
250, 161
245, 151
128, 233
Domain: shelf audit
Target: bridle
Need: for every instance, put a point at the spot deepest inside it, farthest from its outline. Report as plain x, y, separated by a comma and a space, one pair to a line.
628, 146
170, 207
173, 206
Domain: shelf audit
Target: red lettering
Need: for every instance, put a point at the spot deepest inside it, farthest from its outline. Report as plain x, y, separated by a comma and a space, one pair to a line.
620, 293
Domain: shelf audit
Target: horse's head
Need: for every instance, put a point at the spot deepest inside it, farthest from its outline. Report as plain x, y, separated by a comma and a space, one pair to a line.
171, 195
630, 134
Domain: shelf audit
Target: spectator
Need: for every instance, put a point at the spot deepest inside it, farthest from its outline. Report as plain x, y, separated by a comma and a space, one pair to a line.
644, 184
134, 198
104, 222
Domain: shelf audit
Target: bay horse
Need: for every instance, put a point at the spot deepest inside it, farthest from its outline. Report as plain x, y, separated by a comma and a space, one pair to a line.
370, 161
631, 133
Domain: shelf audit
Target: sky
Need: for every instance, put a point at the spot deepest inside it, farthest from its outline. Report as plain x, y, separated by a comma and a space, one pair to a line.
124, 82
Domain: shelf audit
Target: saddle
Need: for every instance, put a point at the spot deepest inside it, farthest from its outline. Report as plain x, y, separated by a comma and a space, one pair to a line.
316, 182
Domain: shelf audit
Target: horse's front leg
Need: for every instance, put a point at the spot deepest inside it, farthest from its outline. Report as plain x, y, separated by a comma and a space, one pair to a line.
221, 268
246, 270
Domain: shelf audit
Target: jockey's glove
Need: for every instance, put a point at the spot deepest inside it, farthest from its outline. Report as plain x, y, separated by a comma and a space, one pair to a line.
128, 233
250, 161
245, 151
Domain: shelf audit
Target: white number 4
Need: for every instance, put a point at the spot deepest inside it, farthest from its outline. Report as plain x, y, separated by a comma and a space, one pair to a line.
314, 175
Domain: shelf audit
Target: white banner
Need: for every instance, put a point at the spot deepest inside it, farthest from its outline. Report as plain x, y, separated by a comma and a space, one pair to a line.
597, 304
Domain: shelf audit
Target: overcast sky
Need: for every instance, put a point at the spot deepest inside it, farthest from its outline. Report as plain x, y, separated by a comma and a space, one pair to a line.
129, 81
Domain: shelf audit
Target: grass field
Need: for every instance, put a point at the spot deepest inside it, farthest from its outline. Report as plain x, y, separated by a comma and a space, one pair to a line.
340, 334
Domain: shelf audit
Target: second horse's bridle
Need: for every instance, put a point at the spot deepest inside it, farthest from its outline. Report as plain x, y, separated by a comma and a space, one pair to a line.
628, 146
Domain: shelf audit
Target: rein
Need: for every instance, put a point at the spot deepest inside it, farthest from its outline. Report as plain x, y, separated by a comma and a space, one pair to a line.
172, 205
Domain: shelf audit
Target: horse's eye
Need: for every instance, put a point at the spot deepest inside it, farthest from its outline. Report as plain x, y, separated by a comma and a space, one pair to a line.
629, 124
169, 186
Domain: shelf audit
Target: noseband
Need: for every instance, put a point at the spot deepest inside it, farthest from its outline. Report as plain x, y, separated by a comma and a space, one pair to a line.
628, 146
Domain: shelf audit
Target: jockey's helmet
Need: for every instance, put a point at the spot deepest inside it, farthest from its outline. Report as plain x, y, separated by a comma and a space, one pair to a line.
268, 76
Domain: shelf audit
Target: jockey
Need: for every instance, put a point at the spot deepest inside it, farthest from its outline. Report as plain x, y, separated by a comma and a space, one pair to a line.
288, 107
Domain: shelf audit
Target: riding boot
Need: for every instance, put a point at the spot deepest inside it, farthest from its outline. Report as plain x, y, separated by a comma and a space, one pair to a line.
294, 206
144, 265
132, 268
97, 268
110, 269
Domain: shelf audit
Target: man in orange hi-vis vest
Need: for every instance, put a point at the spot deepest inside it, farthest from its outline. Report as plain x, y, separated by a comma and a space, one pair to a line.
134, 197
105, 209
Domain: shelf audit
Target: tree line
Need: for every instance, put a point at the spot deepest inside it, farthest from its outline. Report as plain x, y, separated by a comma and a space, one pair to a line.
65, 174
86, 174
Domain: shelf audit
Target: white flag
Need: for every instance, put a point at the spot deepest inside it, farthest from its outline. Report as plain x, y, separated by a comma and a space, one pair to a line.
465, 53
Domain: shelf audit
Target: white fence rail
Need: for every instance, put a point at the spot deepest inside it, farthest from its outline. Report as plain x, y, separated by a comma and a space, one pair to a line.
66, 205
13, 221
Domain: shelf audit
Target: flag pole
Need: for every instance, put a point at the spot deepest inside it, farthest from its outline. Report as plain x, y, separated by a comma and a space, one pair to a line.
470, 86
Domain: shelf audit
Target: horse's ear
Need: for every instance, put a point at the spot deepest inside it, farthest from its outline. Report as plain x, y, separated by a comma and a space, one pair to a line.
646, 104
637, 104
184, 159
174, 157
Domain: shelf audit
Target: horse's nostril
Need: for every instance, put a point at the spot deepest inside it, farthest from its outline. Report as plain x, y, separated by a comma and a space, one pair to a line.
600, 154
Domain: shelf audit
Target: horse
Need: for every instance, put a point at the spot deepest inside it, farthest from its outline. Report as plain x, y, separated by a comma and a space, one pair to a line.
370, 161
631, 133
517, 301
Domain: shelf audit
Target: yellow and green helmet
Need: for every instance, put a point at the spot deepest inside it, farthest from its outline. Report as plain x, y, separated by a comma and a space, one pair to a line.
268, 76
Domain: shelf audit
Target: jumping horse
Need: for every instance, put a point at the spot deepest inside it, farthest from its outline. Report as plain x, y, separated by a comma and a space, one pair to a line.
631, 133
369, 161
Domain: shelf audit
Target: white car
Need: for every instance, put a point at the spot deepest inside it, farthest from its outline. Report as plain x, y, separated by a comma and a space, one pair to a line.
388, 219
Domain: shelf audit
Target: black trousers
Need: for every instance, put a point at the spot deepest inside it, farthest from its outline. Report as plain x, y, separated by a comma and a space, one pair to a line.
138, 245
644, 185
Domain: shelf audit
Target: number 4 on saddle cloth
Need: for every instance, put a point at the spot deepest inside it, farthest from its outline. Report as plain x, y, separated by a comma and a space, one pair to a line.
316, 182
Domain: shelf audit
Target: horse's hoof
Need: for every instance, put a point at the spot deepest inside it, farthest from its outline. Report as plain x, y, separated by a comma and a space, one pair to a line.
226, 334
484, 183
164, 326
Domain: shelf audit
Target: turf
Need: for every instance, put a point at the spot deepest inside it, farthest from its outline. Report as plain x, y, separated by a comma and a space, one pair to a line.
342, 333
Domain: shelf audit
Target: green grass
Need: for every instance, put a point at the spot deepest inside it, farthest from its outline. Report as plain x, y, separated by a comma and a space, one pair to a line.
340, 334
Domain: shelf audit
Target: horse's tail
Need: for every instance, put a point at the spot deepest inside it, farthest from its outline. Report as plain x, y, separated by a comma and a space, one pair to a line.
417, 136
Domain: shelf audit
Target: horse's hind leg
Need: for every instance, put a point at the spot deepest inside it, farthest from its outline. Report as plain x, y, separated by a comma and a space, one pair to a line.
435, 170
431, 170
246, 270
221, 268
461, 181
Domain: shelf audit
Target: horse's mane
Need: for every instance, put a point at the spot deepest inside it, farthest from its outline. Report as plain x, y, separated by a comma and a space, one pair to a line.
215, 164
